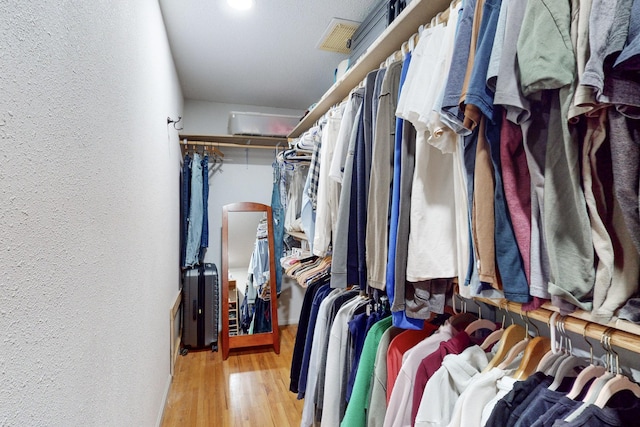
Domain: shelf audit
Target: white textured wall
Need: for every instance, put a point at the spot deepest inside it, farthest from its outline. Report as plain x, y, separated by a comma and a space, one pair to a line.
246, 175
212, 118
88, 212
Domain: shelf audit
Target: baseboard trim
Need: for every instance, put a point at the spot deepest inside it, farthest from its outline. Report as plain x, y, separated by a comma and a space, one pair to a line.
284, 322
174, 340
165, 398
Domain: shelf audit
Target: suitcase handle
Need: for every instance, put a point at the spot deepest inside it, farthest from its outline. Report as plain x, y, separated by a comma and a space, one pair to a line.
195, 310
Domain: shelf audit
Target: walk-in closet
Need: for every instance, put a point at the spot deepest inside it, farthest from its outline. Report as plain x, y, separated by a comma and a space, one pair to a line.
364, 213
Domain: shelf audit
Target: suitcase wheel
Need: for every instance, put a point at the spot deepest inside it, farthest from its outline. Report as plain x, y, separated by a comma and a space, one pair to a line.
214, 347
184, 351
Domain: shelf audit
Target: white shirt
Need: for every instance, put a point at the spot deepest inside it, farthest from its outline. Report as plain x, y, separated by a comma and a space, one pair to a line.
328, 189
505, 385
446, 384
336, 168
420, 75
467, 411
482, 389
432, 252
337, 362
441, 136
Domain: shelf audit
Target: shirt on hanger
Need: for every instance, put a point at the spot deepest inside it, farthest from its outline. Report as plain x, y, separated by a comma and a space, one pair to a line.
355, 414
301, 336
376, 407
447, 383
398, 347
430, 364
503, 409
336, 364
622, 410
399, 408
319, 338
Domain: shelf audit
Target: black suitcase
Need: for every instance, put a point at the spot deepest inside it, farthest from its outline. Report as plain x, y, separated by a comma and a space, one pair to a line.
200, 308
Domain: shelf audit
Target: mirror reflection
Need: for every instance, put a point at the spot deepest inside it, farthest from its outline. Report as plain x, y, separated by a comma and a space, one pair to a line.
248, 273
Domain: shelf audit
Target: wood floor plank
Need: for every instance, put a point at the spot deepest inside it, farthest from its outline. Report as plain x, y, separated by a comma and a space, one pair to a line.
250, 388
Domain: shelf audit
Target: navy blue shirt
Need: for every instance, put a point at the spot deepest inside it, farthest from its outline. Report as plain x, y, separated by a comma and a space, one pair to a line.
320, 295
299, 345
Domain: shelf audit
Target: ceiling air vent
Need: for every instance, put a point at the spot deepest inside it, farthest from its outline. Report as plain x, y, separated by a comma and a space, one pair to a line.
337, 36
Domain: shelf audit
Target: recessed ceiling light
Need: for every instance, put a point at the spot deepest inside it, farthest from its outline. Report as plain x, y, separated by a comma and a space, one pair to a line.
241, 4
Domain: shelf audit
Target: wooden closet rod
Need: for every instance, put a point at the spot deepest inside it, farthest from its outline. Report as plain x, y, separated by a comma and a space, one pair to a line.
619, 338
210, 145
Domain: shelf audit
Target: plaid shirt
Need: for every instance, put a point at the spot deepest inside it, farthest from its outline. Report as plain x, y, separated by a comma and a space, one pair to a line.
314, 167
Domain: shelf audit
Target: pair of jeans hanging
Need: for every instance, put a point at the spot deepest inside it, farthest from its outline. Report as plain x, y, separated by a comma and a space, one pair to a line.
197, 224
277, 212
185, 196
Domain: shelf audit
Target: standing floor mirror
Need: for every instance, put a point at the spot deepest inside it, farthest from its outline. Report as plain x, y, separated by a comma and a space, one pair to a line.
249, 301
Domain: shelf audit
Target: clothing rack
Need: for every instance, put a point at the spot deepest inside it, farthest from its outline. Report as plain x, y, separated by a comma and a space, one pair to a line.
233, 141
575, 323
209, 146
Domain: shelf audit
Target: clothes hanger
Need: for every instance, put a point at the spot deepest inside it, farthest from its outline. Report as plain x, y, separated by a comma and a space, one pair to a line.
587, 374
275, 155
616, 384
520, 346
513, 335
479, 324
564, 352
438, 16
533, 353
412, 41
415, 38
404, 48
394, 57
567, 367
598, 385
460, 319
494, 336
547, 360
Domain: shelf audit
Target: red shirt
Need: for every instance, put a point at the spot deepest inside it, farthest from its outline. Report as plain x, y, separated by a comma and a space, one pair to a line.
399, 346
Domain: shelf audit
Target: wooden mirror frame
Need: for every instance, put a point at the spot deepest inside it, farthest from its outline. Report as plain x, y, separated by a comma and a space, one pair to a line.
252, 340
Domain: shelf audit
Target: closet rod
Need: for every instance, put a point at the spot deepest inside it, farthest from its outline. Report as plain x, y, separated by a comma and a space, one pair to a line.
229, 145
619, 338
210, 145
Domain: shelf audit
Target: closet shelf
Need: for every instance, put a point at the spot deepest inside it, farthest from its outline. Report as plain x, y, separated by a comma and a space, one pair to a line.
625, 335
417, 12
235, 141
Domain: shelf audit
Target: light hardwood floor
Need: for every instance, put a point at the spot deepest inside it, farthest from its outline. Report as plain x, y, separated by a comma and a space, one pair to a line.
250, 388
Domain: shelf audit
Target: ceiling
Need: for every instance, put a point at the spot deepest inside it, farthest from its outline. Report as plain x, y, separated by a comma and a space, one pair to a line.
266, 56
